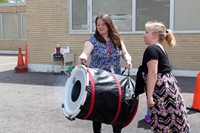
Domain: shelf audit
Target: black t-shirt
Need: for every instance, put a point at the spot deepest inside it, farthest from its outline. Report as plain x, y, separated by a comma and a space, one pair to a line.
156, 53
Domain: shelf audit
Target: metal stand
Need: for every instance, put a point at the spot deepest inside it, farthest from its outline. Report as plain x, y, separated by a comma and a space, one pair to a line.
57, 58
65, 58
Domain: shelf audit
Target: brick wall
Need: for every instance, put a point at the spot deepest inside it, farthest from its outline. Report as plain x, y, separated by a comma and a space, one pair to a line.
184, 56
47, 24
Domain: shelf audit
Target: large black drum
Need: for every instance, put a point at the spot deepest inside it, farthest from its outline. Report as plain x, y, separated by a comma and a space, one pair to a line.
98, 95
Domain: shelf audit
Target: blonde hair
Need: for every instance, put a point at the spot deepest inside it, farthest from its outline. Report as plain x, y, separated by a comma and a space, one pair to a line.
164, 33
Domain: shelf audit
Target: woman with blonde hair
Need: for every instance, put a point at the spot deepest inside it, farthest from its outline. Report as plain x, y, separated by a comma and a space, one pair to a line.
164, 98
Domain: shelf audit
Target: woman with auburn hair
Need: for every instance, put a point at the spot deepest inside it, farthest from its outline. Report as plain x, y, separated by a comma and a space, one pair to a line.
105, 48
164, 98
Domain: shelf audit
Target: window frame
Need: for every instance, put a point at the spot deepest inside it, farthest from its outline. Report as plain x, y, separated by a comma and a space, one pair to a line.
89, 20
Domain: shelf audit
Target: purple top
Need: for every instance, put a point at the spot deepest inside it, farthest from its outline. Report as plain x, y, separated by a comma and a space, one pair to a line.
105, 56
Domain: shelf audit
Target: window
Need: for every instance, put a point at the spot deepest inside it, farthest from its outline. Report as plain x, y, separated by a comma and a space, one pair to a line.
148, 10
7, 26
12, 26
1, 27
129, 16
21, 26
120, 11
183, 10
79, 15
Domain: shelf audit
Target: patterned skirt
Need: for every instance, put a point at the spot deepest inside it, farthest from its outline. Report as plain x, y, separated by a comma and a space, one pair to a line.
168, 115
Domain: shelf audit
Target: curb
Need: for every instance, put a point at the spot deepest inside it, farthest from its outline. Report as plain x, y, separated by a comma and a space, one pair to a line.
9, 52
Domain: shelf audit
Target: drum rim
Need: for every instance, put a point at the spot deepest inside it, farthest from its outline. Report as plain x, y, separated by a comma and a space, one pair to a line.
81, 70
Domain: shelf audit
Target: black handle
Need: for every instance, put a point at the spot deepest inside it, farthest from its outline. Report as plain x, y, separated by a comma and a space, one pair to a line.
83, 62
125, 70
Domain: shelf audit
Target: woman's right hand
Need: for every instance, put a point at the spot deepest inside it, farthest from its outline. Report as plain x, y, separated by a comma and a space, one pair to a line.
82, 61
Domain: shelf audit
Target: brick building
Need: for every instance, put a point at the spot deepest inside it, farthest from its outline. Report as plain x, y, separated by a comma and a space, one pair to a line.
43, 24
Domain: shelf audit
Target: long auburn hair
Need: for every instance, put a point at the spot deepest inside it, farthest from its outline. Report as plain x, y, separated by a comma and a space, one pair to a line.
112, 32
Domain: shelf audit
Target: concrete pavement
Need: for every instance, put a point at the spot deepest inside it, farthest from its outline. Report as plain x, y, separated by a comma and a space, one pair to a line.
31, 103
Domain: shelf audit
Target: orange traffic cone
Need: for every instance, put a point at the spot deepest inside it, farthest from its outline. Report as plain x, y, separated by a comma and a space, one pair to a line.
26, 57
20, 68
196, 100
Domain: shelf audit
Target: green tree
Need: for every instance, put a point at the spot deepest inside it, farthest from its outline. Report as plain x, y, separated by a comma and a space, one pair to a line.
20, 1
3, 1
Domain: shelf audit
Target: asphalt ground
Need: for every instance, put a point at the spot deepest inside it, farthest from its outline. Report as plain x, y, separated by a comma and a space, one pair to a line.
31, 103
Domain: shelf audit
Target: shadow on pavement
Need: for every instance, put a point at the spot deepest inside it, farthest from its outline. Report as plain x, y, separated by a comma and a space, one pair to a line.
143, 124
192, 112
186, 84
33, 78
